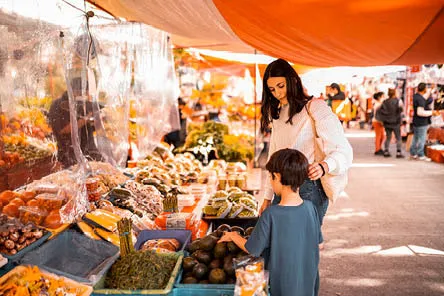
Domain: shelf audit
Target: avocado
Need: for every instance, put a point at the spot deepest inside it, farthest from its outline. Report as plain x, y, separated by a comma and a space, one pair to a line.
231, 281
216, 234
216, 263
249, 230
199, 271
233, 248
190, 280
208, 243
188, 274
223, 228
217, 276
228, 266
238, 229
202, 256
189, 263
220, 250
204, 282
241, 254
194, 246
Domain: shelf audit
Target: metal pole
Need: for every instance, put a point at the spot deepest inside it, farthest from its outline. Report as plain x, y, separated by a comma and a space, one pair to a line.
255, 164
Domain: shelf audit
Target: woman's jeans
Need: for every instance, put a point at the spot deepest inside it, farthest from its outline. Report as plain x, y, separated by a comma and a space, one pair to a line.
312, 191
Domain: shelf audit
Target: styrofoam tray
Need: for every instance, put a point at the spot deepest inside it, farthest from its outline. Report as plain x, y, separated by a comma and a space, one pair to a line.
3, 261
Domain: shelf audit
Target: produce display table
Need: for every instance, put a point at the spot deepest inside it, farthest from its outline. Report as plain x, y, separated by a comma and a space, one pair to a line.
436, 134
27, 172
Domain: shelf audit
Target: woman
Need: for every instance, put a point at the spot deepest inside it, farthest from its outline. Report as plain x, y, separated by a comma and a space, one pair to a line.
284, 105
378, 125
391, 110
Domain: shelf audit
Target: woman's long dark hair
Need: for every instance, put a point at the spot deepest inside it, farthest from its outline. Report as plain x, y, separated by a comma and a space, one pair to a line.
295, 93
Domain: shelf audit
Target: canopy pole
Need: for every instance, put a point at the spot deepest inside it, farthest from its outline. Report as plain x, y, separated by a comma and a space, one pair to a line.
255, 161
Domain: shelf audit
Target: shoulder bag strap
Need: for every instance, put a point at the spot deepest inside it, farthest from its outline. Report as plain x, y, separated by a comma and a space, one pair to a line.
313, 122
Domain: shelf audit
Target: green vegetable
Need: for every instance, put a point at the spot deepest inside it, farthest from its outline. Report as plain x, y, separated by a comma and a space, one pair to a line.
141, 271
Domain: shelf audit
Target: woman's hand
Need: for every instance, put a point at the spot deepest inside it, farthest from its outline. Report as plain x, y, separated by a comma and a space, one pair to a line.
265, 204
315, 171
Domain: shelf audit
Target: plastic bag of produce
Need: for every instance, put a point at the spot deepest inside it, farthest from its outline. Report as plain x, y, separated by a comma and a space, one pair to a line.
251, 278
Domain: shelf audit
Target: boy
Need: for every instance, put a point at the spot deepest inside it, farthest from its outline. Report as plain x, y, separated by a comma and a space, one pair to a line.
288, 233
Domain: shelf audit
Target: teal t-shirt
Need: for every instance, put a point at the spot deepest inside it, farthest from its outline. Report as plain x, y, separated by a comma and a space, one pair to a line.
288, 238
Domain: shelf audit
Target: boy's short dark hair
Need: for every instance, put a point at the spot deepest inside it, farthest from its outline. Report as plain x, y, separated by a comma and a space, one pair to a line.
291, 164
421, 87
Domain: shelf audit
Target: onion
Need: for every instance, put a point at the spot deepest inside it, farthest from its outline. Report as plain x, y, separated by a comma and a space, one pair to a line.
9, 244
14, 236
38, 234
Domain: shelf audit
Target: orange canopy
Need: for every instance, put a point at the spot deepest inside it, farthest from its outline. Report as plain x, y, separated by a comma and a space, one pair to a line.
341, 32
238, 68
309, 32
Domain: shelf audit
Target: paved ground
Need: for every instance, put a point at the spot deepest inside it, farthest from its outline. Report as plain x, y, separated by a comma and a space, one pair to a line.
375, 238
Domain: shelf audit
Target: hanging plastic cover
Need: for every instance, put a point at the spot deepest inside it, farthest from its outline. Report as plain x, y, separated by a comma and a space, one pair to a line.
98, 77
26, 141
154, 108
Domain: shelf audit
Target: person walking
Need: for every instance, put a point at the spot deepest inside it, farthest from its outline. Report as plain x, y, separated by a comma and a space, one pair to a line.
299, 122
391, 111
422, 113
378, 126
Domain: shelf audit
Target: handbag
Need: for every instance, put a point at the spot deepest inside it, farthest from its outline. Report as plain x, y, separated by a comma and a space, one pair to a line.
333, 185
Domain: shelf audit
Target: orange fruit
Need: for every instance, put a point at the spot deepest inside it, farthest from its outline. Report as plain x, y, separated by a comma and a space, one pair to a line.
7, 196
11, 211
28, 195
33, 203
17, 201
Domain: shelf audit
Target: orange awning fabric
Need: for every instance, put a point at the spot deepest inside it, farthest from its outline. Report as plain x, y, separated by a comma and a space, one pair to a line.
191, 23
238, 68
341, 32
318, 33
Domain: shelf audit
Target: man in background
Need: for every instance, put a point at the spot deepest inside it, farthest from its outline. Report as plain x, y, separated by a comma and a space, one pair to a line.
60, 121
422, 113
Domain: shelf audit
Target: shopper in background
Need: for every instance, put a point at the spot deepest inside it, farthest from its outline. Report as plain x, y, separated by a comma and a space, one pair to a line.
391, 111
288, 233
422, 113
285, 105
336, 94
378, 125
60, 122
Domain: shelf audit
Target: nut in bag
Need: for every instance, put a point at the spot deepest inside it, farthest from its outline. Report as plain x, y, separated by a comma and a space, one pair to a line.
251, 277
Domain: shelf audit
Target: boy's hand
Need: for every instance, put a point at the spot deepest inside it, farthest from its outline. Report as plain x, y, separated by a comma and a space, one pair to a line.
265, 204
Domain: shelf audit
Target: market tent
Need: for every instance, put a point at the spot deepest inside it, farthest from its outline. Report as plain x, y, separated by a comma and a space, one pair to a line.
230, 65
341, 32
309, 32
192, 23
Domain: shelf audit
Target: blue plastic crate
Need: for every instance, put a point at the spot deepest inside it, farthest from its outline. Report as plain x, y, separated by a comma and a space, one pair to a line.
75, 256
33, 246
202, 292
183, 236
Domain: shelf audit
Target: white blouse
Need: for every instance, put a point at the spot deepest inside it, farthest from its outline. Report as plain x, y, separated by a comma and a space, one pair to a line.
300, 136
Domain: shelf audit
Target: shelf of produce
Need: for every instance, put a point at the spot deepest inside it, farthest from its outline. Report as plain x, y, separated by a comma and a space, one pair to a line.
20, 271
27, 172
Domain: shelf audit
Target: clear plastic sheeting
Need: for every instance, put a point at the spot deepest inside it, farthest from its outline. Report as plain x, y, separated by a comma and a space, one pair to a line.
67, 83
28, 74
154, 101
98, 76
